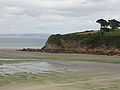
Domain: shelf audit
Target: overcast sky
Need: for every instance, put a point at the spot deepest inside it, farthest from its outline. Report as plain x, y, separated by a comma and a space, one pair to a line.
55, 16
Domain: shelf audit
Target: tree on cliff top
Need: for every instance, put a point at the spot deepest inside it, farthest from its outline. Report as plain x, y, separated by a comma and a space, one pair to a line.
114, 24
104, 24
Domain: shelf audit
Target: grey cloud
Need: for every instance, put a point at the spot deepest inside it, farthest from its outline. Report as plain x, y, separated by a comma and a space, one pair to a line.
47, 18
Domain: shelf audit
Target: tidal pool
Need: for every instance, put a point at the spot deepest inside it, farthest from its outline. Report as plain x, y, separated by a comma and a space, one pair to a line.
36, 67
30, 67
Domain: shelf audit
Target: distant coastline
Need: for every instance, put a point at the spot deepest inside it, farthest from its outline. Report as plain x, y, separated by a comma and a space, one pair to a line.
19, 41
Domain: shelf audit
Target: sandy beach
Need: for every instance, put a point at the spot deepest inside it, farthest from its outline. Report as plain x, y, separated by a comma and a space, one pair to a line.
54, 75
17, 53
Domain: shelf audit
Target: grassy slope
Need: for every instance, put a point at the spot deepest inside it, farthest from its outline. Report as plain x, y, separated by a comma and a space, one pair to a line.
90, 39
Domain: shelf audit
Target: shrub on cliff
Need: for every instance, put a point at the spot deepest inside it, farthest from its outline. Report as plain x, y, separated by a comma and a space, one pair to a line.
91, 40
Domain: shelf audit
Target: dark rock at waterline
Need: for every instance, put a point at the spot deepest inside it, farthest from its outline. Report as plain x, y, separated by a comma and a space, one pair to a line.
30, 50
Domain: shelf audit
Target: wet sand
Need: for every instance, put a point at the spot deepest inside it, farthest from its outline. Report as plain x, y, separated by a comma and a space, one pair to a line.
16, 53
75, 75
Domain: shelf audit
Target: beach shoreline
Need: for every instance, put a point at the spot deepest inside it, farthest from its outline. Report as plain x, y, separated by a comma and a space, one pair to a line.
18, 53
76, 75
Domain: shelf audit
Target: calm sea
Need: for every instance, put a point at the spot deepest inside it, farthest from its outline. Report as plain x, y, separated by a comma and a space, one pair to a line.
19, 43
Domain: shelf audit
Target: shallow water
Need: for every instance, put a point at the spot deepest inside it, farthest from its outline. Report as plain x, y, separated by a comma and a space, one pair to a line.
31, 67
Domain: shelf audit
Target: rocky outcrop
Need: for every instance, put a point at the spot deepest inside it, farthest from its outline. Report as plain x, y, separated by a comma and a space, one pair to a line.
72, 44
74, 47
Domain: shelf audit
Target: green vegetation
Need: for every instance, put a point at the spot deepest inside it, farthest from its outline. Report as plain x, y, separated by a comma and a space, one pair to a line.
107, 39
104, 24
114, 24
55, 39
89, 39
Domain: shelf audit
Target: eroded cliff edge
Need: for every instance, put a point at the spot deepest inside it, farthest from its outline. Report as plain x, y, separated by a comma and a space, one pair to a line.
85, 42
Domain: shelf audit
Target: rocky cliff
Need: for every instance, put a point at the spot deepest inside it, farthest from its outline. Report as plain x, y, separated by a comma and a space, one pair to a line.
84, 42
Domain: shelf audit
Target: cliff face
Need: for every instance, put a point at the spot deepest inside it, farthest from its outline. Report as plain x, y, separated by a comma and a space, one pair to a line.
83, 43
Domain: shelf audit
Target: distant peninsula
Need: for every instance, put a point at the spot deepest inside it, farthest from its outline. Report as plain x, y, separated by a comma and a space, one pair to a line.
105, 41
89, 42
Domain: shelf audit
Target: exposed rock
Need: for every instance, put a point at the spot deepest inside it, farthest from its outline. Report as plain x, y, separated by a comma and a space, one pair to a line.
30, 50
70, 44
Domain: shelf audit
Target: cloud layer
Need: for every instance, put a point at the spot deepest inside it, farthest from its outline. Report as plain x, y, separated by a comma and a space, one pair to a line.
54, 16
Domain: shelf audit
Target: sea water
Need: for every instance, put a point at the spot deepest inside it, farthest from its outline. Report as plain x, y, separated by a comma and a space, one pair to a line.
19, 43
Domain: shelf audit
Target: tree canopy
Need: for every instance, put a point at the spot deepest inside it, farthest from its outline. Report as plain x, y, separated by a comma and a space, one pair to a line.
103, 23
113, 23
